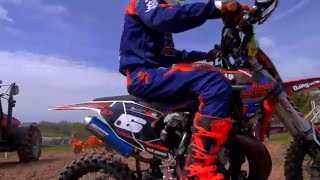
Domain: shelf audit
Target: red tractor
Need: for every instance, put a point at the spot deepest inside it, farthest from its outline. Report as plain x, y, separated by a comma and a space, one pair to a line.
24, 138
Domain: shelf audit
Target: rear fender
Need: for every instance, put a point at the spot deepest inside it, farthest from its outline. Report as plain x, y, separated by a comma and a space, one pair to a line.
101, 107
90, 105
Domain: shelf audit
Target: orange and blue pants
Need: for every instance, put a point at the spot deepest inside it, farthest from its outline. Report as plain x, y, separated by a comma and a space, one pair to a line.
203, 84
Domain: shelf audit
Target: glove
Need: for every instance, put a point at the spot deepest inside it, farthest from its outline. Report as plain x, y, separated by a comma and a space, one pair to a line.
212, 54
232, 12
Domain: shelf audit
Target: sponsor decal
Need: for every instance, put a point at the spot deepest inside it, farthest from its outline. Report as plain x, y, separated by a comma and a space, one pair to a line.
263, 86
143, 110
305, 85
151, 4
106, 112
97, 131
157, 152
277, 130
258, 90
253, 93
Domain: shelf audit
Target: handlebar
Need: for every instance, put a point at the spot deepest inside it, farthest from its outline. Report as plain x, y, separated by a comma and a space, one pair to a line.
243, 48
232, 45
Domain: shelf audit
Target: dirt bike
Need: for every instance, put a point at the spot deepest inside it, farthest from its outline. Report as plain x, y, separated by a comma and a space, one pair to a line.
131, 125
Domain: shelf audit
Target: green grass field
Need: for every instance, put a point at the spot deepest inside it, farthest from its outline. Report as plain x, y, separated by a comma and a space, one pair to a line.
62, 148
53, 149
282, 138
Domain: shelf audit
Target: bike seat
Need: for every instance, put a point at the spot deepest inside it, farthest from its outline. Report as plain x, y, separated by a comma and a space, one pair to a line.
156, 105
152, 104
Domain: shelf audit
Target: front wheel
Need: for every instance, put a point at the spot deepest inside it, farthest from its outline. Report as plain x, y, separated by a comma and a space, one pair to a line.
298, 164
247, 148
98, 166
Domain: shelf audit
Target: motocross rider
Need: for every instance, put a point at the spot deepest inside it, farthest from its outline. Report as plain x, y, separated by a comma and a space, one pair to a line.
155, 70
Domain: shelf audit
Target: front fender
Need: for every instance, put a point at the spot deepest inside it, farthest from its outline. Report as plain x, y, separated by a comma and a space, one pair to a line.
301, 85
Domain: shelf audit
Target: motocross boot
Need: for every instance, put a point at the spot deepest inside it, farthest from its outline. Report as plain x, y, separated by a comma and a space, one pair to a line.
209, 133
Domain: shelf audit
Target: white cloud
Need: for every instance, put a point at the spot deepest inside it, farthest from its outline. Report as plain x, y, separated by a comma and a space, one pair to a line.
4, 15
42, 11
294, 9
39, 5
290, 63
47, 81
266, 42
294, 67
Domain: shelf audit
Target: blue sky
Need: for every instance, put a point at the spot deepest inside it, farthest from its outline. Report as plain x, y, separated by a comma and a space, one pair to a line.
69, 48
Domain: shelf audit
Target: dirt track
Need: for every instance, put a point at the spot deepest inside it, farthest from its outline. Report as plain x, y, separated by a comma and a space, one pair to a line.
51, 163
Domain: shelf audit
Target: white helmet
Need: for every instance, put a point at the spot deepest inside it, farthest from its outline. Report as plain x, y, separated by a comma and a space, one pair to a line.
174, 2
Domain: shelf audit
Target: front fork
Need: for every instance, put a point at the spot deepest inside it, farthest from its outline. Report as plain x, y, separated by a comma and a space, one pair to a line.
291, 118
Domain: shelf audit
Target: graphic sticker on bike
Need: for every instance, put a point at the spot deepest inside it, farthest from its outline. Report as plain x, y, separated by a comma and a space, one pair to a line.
305, 85
130, 123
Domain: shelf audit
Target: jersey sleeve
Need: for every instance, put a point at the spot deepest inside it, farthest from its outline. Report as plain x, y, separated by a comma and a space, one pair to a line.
175, 19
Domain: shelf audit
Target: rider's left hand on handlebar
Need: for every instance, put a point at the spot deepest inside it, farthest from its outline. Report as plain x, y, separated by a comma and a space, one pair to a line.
212, 54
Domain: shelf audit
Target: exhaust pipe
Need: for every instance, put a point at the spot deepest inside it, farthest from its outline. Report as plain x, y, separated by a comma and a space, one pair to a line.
108, 136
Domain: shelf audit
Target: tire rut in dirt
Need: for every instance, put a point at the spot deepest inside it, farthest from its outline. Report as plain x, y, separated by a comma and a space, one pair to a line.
294, 159
96, 163
26, 148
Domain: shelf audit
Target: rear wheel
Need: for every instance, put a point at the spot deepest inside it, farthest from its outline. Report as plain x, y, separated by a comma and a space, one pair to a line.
30, 147
96, 167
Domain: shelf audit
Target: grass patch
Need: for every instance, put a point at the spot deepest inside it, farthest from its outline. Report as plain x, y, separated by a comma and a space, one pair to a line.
53, 149
63, 129
61, 148
9, 155
282, 138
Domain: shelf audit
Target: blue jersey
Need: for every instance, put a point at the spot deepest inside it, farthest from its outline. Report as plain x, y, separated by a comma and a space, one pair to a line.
147, 40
